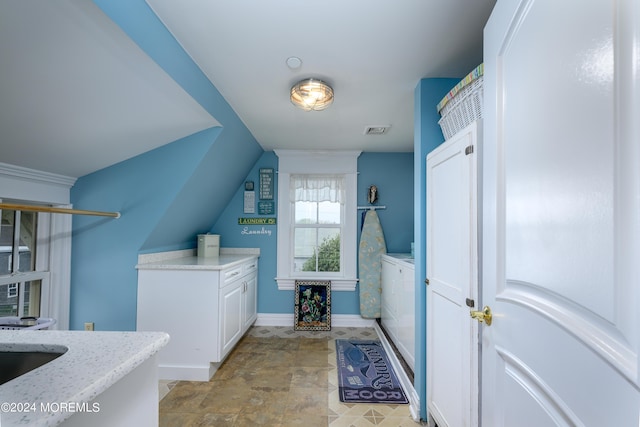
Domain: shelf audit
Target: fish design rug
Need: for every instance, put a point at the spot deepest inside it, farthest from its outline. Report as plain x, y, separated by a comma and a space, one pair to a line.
365, 374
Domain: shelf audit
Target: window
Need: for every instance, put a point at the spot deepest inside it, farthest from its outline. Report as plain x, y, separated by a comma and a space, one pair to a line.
18, 240
317, 218
317, 202
43, 280
12, 290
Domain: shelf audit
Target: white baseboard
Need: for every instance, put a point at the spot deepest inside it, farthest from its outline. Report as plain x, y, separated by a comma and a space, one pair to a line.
337, 320
187, 373
407, 385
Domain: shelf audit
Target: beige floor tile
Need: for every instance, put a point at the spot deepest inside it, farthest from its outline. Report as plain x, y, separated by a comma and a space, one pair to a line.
307, 401
258, 418
277, 377
398, 422
351, 421
309, 377
214, 420
185, 396
305, 420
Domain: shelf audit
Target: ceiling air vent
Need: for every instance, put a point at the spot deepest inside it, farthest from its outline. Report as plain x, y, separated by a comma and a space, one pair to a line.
376, 130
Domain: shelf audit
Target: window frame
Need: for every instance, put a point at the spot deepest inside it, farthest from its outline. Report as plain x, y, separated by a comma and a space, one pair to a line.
16, 280
39, 187
302, 162
12, 290
317, 226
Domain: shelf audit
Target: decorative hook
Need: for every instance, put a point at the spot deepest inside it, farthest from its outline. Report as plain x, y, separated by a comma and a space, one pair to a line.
372, 197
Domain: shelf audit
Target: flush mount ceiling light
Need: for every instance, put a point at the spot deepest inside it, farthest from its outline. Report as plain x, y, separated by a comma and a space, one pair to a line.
311, 94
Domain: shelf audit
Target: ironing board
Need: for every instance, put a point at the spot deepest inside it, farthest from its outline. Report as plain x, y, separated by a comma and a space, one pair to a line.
372, 246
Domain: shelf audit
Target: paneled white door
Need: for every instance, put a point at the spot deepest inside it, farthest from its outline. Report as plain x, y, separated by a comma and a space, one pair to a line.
452, 337
561, 226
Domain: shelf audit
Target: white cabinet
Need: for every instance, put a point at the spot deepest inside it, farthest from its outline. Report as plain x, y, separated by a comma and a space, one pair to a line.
390, 277
398, 303
205, 306
250, 307
238, 303
452, 336
230, 317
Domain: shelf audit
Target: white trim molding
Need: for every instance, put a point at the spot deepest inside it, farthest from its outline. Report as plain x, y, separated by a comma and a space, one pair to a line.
407, 385
60, 270
26, 184
289, 284
337, 320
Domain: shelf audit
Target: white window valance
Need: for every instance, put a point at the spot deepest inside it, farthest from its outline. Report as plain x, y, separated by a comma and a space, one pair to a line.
317, 188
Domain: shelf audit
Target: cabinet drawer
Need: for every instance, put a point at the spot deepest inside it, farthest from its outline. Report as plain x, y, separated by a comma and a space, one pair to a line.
228, 276
250, 267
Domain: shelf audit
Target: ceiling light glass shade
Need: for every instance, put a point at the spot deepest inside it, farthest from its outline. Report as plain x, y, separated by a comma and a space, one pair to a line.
311, 94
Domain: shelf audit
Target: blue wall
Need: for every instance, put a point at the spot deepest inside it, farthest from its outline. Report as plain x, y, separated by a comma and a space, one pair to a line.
166, 196
392, 173
427, 136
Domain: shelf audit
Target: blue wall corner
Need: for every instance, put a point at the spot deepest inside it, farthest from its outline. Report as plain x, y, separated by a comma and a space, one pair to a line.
391, 172
427, 136
104, 251
205, 196
166, 196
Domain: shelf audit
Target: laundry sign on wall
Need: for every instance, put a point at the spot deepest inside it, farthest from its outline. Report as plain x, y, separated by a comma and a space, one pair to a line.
256, 231
257, 221
262, 231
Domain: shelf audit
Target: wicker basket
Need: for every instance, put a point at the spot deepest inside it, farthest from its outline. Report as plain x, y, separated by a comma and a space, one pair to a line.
463, 108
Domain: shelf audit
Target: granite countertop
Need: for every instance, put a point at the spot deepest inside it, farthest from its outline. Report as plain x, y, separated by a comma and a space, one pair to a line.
186, 260
93, 362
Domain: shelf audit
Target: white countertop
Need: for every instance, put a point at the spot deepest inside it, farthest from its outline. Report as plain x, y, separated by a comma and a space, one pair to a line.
178, 261
405, 257
93, 362
196, 263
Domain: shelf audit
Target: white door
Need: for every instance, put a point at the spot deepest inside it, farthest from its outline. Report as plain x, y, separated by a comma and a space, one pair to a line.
561, 217
452, 338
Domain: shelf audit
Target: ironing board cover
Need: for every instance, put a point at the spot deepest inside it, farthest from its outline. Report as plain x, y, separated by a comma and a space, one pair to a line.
372, 246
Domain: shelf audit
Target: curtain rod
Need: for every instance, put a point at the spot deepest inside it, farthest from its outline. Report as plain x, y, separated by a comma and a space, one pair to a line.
371, 207
50, 209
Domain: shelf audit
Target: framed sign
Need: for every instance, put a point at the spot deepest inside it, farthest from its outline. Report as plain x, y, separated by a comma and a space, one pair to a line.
249, 202
312, 305
266, 184
266, 208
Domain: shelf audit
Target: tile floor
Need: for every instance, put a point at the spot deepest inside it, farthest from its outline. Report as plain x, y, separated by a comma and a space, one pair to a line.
276, 377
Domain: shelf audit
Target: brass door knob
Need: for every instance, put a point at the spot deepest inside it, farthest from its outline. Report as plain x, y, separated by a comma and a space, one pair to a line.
483, 316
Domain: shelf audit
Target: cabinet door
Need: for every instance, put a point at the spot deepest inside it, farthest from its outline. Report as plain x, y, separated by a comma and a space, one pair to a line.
452, 336
250, 300
387, 315
230, 316
406, 314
